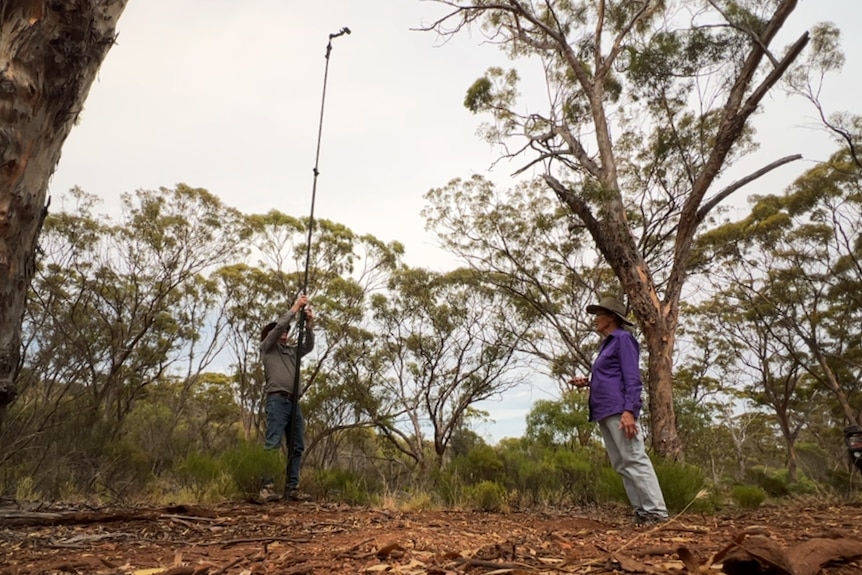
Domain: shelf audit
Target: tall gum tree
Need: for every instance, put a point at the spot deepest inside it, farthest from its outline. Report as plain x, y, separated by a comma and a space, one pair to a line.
648, 103
50, 53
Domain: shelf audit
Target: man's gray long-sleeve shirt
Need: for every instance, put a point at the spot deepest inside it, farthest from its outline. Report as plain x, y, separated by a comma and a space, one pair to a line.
279, 361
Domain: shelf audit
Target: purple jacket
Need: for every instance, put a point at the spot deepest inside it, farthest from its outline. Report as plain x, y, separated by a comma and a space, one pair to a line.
615, 381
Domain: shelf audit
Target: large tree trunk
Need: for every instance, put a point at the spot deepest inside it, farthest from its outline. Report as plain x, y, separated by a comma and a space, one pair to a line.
660, 341
658, 320
50, 53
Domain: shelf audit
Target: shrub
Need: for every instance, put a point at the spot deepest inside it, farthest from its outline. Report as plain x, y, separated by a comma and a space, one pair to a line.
748, 496
25, 490
198, 474
479, 464
577, 475
487, 496
340, 485
802, 486
528, 475
248, 463
448, 484
415, 502
609, 486
773, 484
682, 485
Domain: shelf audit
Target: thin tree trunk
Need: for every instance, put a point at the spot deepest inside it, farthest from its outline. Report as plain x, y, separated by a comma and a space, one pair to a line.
50, 53
791, 461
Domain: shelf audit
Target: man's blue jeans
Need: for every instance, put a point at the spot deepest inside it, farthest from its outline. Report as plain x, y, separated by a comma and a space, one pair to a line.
278, 410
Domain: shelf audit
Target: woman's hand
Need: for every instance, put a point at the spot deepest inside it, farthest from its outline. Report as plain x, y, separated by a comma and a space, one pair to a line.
579, 381
628, 424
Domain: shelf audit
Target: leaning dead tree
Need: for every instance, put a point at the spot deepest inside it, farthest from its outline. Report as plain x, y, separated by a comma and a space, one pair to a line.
50, 53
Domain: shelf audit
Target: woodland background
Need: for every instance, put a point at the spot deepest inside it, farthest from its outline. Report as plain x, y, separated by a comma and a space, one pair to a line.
141, 377
138, 375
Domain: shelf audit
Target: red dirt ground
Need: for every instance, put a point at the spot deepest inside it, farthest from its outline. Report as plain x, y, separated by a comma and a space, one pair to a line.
310, 538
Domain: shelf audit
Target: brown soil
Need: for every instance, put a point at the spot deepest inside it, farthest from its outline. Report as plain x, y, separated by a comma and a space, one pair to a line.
306, 538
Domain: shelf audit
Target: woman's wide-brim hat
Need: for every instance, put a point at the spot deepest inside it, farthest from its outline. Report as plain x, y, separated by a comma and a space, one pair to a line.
612, 305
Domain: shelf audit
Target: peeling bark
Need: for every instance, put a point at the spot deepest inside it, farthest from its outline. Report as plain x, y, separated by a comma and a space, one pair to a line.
50, 53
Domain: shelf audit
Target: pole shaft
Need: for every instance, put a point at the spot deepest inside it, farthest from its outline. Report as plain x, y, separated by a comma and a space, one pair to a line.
300, 339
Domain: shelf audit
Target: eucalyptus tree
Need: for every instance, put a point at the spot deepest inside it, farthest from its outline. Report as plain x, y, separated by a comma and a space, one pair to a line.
519, 242
808, 79
648, 103
798, 290
768, 359
118, 307
344, 270
50, 53
562, 423
448, 344
705, 393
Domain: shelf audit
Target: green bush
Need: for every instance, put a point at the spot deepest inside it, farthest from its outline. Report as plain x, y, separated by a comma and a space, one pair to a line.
340, 485
538, 474
609, 486
802, 486
197, 473
449, 485
577, 476
531, 478
772, 483
684, 487
487, 496
748, 496
248, 463
479, 464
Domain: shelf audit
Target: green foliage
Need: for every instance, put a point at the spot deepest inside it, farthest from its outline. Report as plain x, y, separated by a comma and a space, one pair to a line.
486, 496
248, 463
479, 95
560, 423
25, 490
748, 496
540, 475
802, 486
609, 486
577, 474
529, 476
683, 485
197, 473
449, 485
772, 483
479, 464
122, 471
341, 485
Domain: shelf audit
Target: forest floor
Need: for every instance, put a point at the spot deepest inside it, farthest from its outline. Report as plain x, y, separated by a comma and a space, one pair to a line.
311, 538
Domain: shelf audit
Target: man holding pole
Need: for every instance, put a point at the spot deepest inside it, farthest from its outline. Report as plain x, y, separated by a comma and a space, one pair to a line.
280, 358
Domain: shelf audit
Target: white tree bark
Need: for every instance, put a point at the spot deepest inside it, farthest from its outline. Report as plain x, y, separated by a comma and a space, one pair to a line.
50, 53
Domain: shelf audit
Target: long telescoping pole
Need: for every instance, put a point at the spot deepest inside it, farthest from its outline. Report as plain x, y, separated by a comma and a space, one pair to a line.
300, 339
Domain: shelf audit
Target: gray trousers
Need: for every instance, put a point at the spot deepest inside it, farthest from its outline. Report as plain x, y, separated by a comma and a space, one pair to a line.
629, 459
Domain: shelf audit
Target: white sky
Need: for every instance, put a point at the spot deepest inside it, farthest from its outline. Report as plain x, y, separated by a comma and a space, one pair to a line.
225, 95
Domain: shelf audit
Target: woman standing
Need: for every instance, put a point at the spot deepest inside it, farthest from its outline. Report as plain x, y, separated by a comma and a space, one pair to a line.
615, 402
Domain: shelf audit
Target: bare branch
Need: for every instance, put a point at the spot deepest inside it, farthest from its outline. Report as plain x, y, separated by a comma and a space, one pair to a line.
754, 99
618, 41
747, 31
720, 196
578, 151
577, 204
600, 24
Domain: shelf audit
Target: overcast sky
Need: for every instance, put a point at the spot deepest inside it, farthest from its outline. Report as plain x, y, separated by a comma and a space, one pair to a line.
225, 95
